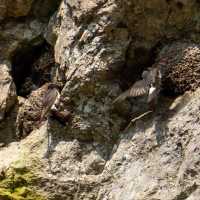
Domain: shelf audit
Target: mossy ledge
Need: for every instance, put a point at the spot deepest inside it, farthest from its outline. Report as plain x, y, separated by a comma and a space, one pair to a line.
17, 184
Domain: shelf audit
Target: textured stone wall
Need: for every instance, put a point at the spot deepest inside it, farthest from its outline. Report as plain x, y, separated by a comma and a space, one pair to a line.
100, 49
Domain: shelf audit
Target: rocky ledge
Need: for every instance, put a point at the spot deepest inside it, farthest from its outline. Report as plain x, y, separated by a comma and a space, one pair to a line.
94, 50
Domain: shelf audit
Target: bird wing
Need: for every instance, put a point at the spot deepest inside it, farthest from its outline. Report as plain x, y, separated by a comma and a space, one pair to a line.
139, 88
48, 101
49, 97
122, 96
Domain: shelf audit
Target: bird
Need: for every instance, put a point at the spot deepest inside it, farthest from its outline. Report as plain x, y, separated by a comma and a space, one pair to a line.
149, 85
50, 100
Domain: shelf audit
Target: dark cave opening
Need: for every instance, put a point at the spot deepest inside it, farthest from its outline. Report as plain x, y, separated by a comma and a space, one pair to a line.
180, 5
26, 74
21, 63
137, 59
48, 8
140, 58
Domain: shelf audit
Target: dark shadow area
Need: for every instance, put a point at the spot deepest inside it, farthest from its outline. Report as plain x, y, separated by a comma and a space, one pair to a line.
180, 5
137, 59
8, 127
198, 2
7, 20
29, 64
168, 1
43, 9
22, 60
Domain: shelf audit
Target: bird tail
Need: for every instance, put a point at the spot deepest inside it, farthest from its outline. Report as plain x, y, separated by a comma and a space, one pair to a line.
42, 117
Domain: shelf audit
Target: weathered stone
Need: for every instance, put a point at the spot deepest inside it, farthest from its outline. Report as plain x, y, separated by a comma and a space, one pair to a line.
18, 8
181, 70
144, 170
43, 9
3, 9
29, 113
101, 48
7, 88
52, 29
8, 125
21, 8
14, 35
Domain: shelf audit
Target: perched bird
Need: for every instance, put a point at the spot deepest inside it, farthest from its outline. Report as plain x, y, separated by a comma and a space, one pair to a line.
149, 85
50, 99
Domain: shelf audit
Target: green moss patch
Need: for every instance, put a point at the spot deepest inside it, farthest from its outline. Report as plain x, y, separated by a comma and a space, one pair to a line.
17, 184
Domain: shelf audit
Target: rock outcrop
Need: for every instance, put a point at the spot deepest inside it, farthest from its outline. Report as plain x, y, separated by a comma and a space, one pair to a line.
181, 70
100, 49
7, 88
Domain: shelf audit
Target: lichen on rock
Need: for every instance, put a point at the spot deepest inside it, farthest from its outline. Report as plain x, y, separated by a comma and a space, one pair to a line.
16, 184
181, 70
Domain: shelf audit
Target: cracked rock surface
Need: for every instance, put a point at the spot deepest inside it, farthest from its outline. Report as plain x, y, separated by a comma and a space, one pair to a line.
100, 48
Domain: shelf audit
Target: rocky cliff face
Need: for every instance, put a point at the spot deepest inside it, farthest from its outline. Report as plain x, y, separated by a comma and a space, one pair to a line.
94, 50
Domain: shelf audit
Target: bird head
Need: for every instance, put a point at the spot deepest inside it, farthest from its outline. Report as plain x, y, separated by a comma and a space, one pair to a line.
145, 74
